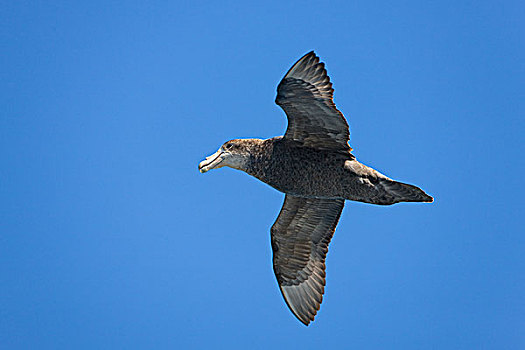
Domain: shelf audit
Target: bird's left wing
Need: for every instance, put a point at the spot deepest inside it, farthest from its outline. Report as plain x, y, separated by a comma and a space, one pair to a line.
306, 95
300, 238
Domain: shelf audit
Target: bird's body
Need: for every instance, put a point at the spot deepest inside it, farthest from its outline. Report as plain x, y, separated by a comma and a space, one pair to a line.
308, 172
313, 165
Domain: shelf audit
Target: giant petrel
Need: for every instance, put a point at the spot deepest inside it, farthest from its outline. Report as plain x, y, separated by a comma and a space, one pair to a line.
313, 165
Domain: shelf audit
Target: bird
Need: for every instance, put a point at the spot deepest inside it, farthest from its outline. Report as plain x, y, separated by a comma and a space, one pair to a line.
313, 166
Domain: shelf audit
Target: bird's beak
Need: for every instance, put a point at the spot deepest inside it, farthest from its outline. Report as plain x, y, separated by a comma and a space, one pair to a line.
212, 161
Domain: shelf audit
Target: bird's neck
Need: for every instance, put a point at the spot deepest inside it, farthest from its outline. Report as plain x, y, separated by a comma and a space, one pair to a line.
260, 157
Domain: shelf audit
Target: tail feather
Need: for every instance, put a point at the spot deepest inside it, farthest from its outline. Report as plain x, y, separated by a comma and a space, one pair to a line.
364, 184
396, 192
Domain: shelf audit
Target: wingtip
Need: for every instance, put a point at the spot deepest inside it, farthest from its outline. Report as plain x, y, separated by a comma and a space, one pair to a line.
304, 321
308, 54
301, 316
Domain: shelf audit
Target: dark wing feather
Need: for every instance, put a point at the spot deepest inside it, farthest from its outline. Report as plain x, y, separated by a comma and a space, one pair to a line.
300, 238
306, 95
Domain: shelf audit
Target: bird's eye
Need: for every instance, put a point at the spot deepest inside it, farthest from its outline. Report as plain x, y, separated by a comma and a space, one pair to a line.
228, 146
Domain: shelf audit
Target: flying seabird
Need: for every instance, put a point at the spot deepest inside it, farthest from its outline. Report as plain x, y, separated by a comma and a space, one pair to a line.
313, 165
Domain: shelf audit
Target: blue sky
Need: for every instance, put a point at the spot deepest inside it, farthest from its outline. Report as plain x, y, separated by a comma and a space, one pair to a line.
111, 238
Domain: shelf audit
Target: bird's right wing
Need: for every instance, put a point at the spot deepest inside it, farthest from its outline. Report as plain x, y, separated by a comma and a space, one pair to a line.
300, 238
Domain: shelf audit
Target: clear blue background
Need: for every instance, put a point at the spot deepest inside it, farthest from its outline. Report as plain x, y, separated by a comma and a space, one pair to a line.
111, 238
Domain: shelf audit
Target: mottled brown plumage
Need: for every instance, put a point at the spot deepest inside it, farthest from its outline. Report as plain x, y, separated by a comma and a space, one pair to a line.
313, 166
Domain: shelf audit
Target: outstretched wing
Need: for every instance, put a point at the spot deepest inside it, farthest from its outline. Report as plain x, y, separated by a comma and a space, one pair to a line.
300, 238
306, 95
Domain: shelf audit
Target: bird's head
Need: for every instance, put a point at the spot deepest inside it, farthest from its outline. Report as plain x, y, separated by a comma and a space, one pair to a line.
233, 153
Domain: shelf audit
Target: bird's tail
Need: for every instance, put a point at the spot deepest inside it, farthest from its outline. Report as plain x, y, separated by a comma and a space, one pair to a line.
395, 192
